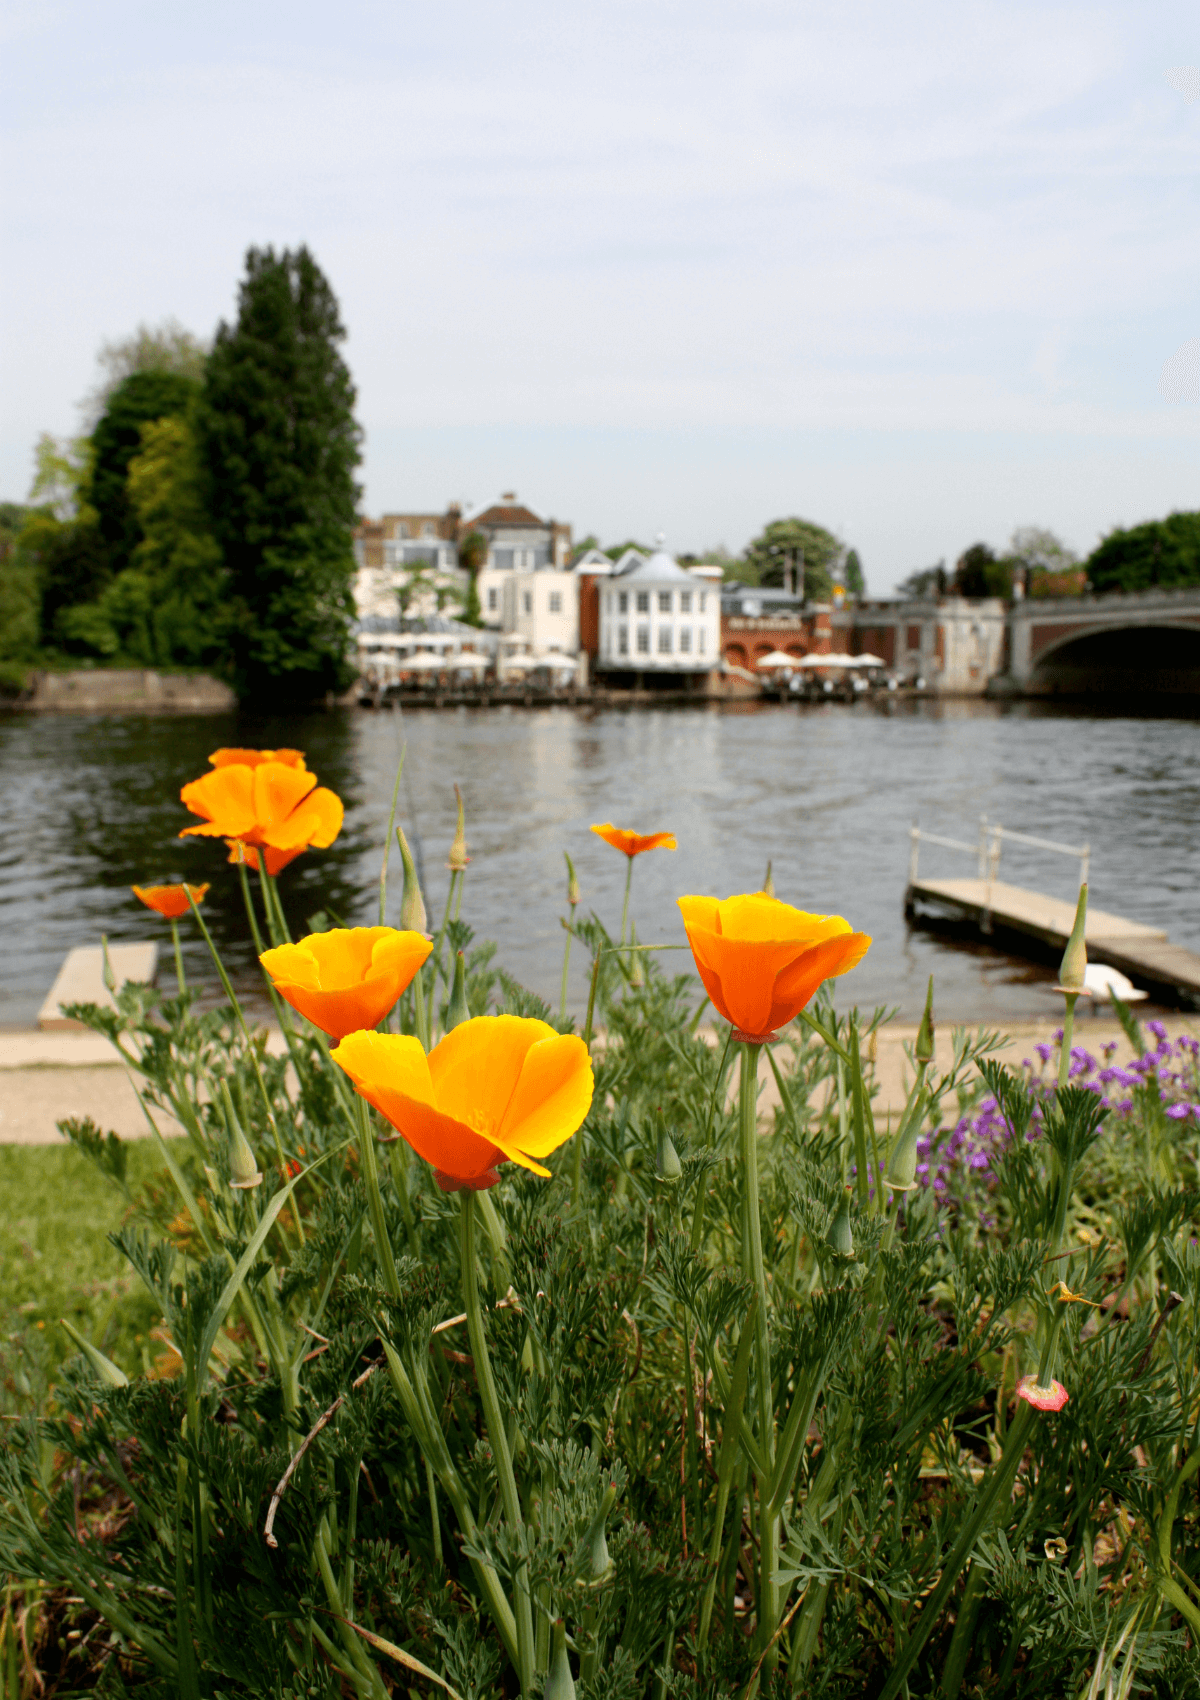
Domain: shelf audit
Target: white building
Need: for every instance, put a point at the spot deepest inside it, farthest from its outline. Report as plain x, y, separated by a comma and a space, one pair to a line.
655, 617
543, 608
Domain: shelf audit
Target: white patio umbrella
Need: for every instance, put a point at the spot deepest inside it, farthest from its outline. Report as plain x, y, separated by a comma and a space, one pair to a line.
519, 663
778, 658
423, 662
468, 658
825, 661
867, 660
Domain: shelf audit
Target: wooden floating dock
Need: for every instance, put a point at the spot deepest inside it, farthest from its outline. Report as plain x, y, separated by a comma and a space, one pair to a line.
1144, 953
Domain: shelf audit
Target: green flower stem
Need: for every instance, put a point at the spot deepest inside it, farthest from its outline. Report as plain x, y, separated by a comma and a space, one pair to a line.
498, 1437
435, 1521
625, 907
1001, 1480
768, 1605
350, 1640
387, 840
370, 1175
435, 955
272, 890
577, 1151
562, 1002
726, 1465
1064, 1060
180, 981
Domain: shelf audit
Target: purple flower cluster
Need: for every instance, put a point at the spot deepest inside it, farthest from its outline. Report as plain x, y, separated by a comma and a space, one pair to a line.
1170, 1073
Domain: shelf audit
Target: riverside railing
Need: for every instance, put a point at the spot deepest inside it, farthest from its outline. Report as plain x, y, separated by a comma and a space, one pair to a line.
987, 849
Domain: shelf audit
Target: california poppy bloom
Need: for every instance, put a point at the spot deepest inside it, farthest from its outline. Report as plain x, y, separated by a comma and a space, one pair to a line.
761, 960
1051, 1398
347, 978
169, 901
497, 1087
633, 843
268, 799
275, 860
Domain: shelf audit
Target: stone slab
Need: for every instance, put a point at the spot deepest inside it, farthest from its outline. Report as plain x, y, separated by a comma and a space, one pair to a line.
81, 980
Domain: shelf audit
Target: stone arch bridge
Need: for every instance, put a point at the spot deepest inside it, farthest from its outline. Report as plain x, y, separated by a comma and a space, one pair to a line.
1145, 642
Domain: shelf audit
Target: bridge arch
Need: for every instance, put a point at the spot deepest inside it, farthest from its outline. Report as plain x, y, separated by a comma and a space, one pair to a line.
1158, 656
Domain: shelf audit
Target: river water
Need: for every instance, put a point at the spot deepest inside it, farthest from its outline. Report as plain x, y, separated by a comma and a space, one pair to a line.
89, 805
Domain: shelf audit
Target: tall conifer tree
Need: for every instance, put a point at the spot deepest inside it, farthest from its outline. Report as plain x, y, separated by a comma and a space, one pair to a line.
280, 446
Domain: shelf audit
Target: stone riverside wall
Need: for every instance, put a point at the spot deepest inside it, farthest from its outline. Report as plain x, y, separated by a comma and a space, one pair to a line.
101, 690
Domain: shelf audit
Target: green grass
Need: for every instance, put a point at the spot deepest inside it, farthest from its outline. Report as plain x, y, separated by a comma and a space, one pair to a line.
56, 1212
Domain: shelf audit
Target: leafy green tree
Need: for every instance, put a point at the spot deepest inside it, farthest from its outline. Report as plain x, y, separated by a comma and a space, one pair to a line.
472, 557
1164, 553
164, 609
924, 581
69, 563
795, 545
856, 583
979, 572
20, 601
279, 444
164, 348
137, 401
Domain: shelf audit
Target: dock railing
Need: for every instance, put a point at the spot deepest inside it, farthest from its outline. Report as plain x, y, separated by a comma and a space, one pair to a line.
987, 850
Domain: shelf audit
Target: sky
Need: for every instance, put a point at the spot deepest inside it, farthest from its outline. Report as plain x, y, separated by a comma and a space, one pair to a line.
675, 266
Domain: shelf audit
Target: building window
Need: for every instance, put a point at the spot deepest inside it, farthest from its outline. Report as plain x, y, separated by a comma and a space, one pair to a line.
402, 530
428, 531
703, 600
643, 601
493, 600
700, 636
556, 601
664, 601
685, 640
685, 601
527, 601
664, 640
622, 602
622, 640
643, 640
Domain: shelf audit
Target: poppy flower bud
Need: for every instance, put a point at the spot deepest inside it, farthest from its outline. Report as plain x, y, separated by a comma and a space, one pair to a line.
458, 1012
637, 974
768, 884
412, 904
923, 1050
458, 850
572, 882
902, 1165
560, 1684
244, 1172
600, 1566
110, 979
666, 1161
104, 1367
839, 1237
1074, 963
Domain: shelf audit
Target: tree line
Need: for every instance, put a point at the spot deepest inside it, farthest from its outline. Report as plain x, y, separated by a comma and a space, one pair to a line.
206, 519
1160, 554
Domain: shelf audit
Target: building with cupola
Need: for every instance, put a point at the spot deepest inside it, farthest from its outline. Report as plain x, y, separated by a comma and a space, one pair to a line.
653, 620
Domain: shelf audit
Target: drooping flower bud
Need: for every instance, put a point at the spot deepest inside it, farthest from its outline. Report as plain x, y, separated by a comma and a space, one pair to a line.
458, 850
457, 1011
768, 884
923, 1050
599, 1565
666, 1161
839, 1237
1074, 963
110, 979
104, 1367
572, 882
412, 904
244, 1172
560, 1684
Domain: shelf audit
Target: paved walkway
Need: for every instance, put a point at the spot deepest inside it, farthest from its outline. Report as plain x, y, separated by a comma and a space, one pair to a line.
46, 1077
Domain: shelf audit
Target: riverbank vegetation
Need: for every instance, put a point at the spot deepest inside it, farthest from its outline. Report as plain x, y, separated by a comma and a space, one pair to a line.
498, 1359
206, 519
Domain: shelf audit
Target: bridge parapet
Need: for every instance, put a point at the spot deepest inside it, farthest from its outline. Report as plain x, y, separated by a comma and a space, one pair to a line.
1039, 629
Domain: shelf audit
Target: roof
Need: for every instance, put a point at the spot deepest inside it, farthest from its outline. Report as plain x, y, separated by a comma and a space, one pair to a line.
658, 568
507, 511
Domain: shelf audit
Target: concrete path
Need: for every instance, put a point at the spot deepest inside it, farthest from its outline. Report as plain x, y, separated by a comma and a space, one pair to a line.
46, 1077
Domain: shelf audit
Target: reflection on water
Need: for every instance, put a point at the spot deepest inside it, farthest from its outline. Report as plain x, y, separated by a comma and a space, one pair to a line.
91, 806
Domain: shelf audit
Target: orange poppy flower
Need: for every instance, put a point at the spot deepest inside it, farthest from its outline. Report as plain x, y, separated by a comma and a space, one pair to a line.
497, 1087
761, 960
633, 843
169, 901
347, 978
263, 801
255, 758
248, 853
